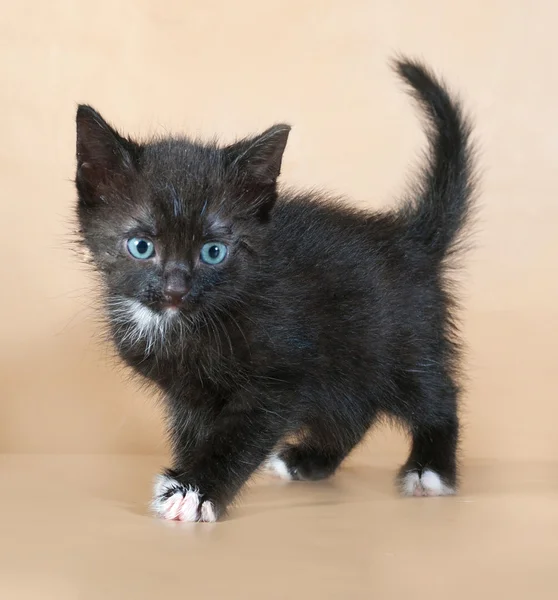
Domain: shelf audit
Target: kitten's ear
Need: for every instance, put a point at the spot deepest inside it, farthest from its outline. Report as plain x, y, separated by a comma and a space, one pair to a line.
260, 157
103, 156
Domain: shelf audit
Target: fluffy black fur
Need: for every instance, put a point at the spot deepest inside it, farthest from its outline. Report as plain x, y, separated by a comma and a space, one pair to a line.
321, 318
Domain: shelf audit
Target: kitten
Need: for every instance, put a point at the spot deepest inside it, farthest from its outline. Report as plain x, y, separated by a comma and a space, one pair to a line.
263, 315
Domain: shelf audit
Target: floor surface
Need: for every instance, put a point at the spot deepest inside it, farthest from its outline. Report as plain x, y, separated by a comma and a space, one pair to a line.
76, 527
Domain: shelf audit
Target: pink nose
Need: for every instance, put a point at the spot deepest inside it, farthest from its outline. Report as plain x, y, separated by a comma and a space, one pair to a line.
175, 296
176, 288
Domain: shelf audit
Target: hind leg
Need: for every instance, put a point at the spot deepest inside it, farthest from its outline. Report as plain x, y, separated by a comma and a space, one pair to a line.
319, 450
431, 469
306, 463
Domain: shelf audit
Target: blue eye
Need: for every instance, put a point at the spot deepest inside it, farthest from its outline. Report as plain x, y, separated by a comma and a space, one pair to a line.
213, 253
140, 248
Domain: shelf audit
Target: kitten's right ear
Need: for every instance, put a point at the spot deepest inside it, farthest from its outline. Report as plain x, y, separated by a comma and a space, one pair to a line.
260, 157
103, 156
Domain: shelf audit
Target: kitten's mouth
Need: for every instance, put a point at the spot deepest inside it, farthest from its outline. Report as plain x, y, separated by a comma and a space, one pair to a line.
167, 308
173, 311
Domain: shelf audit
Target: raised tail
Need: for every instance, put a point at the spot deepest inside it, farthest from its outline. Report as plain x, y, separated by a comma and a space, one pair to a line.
442, 203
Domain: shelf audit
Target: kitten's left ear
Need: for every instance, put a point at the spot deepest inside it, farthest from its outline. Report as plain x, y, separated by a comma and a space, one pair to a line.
103, 156
260, 158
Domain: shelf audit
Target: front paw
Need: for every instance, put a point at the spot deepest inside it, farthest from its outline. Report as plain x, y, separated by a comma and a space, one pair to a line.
175, 501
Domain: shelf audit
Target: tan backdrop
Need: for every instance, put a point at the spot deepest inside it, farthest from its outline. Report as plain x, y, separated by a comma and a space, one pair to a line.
236, 67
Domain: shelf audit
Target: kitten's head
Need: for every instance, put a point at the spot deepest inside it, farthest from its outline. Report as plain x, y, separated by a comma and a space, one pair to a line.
175, 227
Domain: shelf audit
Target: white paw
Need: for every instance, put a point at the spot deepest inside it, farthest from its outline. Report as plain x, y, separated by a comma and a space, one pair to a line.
276, 465
428, 483
176, 502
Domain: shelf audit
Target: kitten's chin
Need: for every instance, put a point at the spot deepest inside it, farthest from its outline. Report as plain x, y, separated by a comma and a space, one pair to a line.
144, 317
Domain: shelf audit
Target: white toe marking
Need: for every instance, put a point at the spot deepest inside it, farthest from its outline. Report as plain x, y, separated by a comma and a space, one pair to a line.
410, 482
208, 512
161, 505
278, 466
189, 507
171, 507
428, 483
163, 483
431, 481
182, 505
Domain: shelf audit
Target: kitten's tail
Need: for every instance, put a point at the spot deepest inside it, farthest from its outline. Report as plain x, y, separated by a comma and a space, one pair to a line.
440, 210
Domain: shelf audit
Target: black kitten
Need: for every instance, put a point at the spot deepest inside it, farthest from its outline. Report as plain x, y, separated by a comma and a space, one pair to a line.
265, 316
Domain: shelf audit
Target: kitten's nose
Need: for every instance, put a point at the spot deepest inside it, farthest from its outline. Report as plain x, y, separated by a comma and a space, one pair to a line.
176, 289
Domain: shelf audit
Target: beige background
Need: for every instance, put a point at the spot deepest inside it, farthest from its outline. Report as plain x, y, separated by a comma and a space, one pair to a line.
74, 526
233, 68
